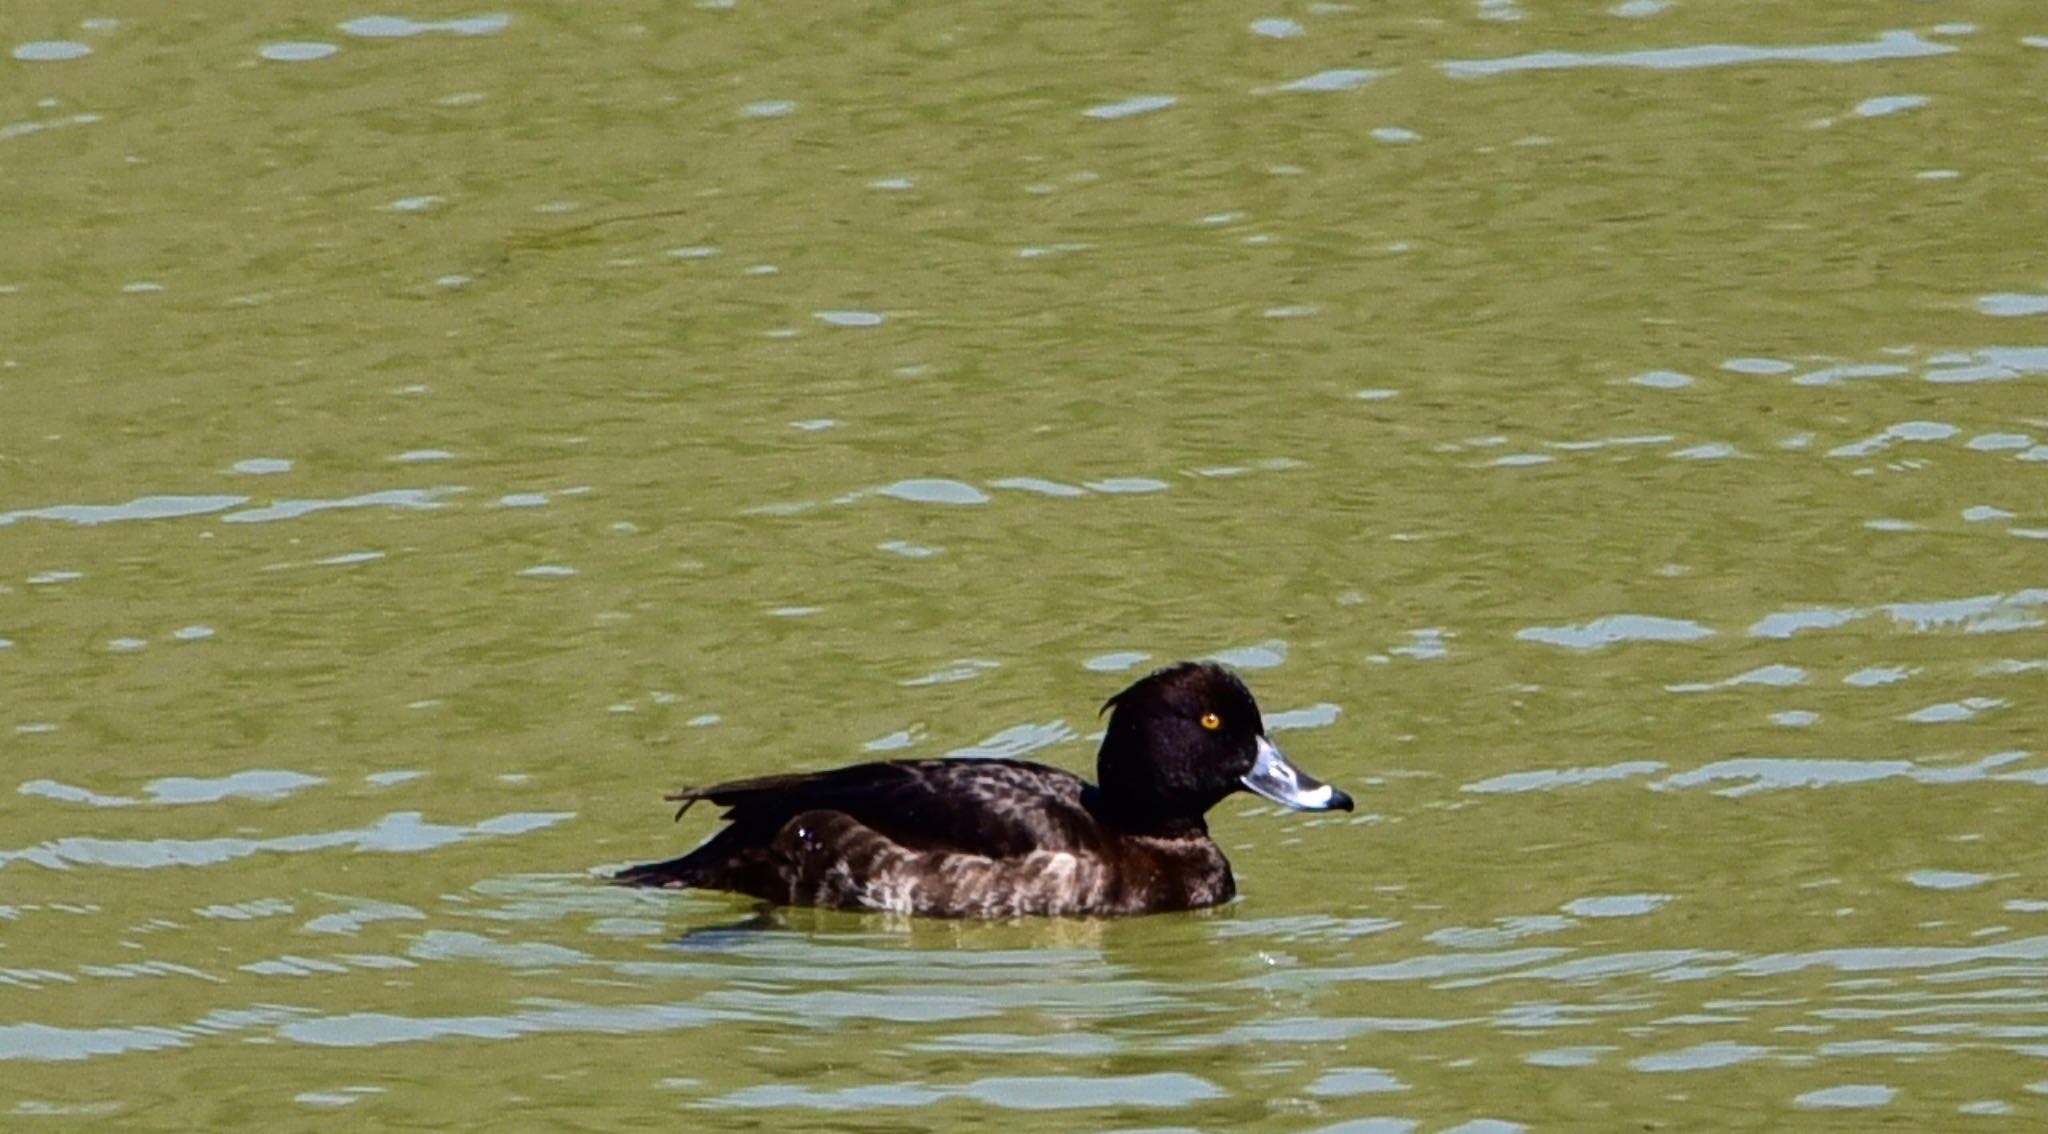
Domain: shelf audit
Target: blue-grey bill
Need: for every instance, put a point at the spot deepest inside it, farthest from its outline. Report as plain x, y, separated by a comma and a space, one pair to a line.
1276, 778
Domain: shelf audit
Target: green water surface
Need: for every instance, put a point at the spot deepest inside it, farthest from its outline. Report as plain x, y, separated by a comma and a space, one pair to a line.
1612, 440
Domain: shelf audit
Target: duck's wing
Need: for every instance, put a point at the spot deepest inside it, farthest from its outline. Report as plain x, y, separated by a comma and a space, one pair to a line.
997, 809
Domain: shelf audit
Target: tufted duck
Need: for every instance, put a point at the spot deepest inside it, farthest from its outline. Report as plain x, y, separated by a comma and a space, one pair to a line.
1002, 838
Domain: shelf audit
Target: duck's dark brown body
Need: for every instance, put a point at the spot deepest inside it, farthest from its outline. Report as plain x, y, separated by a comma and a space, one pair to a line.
945, 838
1004, 838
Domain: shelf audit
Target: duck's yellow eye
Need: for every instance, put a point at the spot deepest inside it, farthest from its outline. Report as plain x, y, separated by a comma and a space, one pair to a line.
1211, 721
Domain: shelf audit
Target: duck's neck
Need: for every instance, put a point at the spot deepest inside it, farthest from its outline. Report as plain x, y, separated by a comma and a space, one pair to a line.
1143, 794
1143, 816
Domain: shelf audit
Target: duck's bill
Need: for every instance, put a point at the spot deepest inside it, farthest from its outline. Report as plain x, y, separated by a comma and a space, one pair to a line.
1276, 778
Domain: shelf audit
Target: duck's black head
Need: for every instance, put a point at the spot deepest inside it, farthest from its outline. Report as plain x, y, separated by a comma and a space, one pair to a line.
1183, 738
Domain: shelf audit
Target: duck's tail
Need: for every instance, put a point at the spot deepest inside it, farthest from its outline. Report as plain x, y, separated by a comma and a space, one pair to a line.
673, 874
729, 860
742, 855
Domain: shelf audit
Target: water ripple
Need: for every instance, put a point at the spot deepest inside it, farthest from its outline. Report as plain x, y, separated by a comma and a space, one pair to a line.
416, 499
1752, 774
1341, 79
399, 27
140, 508
1616, 628
379, 1029
1889, 45
1152, 1090
1131, 107
260, 783
1976, 614
399, 832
